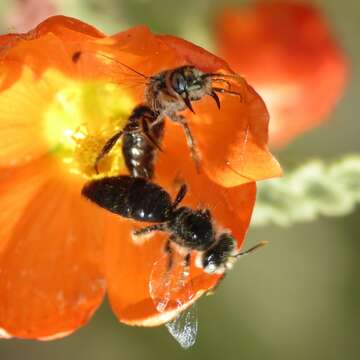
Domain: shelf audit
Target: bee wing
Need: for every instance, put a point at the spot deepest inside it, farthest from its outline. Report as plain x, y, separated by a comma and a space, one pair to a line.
169, 281
112, 69
184, 327
160, 283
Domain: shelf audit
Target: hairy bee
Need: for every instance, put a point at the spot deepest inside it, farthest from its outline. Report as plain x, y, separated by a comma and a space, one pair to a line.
170, 92
189, 231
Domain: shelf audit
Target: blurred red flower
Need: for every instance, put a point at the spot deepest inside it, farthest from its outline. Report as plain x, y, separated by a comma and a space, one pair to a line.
287, 51
58, 252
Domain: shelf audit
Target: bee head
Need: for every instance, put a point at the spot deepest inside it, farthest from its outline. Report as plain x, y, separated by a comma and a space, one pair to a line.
187, 79
220, 257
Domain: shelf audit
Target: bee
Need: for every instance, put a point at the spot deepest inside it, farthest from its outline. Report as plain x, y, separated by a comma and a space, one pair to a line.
190, 231
172, 91
140, 142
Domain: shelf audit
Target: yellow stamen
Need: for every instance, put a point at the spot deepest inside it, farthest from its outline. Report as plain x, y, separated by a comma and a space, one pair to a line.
79, 121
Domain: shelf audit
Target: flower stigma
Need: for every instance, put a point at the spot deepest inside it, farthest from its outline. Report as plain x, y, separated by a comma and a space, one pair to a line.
81, 117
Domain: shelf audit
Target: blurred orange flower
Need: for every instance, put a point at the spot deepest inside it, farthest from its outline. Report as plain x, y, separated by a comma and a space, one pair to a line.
58, 252
287, 51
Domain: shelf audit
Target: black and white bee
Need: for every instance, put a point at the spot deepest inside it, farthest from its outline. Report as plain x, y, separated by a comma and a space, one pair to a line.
190, 232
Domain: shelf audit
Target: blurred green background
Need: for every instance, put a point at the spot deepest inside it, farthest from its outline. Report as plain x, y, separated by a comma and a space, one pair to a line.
296, 299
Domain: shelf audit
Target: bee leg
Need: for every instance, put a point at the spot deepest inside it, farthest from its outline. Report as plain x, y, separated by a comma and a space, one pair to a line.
169, 251
183, 280
219, 79
214, 95
180, 195
148, 229
225, 91
187, 259
157, 121
189, 138
149, 137
106, 149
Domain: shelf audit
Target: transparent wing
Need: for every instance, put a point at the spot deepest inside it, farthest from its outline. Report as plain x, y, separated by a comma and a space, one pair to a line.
160, 283
169, 283
167, 280
113, 69
184, 327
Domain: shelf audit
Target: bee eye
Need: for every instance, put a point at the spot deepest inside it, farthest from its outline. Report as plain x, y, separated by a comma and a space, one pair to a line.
179, 83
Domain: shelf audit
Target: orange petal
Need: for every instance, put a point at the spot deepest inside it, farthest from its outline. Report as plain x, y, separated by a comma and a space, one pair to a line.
22, 110
243, 154
49, 45
240, 126
129, 265
50, 270
137, 48
231, 207
25, 97
61, 277
287, 51
233, 141
17, 187
27, 93
71, 34
128, 270
193, 54
66, 28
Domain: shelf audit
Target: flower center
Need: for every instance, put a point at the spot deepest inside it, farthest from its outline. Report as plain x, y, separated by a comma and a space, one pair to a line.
79, 121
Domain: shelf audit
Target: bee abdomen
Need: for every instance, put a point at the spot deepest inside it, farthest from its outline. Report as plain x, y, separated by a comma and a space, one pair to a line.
138, 151
139, 155
130, 197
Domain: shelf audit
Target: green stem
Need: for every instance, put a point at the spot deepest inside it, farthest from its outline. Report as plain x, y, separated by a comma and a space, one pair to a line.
309, 191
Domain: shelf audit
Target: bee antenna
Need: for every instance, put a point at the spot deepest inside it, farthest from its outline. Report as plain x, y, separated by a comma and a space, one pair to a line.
236, 76
225, 91
252, 249
76, 57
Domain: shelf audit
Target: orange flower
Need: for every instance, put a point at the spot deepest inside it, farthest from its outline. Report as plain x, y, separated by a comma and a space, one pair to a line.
59, 252
286, 49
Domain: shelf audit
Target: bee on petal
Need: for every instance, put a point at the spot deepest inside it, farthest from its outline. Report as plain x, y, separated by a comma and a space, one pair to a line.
190, 232
167, 94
